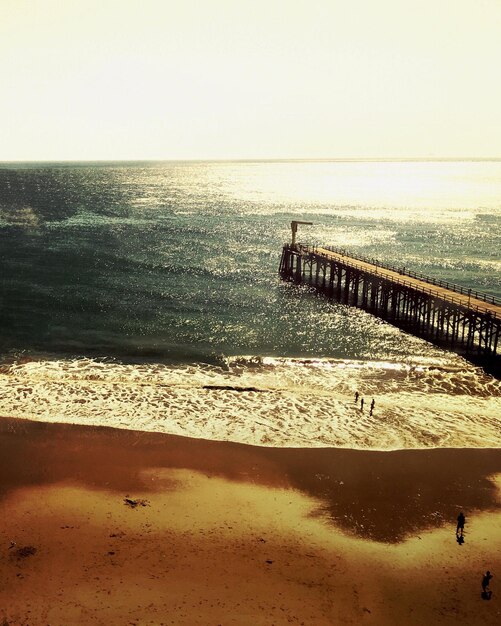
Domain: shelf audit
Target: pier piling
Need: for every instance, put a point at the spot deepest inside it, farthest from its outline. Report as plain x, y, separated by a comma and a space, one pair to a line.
452, 316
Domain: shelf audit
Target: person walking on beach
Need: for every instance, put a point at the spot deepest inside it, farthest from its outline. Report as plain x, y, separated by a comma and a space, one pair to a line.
362, 404
356, 396
372, 407
460, 525
486, 592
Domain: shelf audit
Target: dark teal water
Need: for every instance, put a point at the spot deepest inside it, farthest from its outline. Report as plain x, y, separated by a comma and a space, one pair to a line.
146, 296
178, 261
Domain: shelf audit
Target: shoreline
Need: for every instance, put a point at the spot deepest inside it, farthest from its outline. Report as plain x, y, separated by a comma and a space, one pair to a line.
233, 533
273, 405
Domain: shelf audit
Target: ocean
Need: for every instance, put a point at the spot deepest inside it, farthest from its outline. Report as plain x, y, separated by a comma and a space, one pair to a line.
146, 296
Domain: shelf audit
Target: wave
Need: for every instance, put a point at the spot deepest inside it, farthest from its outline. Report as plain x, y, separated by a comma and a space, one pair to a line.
271, 401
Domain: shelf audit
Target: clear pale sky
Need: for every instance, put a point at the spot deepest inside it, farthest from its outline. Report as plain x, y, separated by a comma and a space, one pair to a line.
223, 79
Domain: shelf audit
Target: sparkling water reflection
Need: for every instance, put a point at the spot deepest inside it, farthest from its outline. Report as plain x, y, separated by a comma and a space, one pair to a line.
176, 263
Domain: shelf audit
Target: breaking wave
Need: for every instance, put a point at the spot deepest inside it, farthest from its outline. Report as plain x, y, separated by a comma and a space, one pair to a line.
280, 402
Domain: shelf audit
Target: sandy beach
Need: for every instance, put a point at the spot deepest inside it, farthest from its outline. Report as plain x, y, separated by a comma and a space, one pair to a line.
102, 526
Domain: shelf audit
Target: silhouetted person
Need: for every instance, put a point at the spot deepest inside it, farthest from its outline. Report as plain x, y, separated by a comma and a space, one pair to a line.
356, 396
486, 592
372, 407
461, 522
362, 404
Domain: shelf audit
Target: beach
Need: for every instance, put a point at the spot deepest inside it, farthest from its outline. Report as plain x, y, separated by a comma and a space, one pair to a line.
108, 526
183, 440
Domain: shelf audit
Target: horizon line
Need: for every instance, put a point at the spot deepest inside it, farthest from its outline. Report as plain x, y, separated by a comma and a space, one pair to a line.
256, 160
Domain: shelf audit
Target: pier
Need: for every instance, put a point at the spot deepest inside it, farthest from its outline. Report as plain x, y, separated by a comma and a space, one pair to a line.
463, 320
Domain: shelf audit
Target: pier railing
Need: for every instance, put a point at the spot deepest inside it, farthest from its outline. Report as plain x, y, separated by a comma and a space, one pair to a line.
488, 298
447, 314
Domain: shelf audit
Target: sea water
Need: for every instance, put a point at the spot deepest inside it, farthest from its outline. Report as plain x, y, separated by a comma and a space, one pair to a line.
146, 296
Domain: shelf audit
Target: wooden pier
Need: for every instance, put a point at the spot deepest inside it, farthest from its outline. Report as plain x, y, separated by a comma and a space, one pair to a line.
449, 315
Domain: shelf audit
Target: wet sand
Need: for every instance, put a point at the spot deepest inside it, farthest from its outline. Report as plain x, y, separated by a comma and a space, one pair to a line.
234, 534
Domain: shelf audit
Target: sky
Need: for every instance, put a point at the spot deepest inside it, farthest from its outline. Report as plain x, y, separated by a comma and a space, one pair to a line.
249, 79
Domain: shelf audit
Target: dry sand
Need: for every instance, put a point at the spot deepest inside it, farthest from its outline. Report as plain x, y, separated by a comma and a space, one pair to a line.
233, 534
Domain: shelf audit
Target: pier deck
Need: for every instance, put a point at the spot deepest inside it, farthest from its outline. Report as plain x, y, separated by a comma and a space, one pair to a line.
463, 299
461, 319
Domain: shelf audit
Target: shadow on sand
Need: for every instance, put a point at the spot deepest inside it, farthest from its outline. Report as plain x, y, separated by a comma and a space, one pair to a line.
382, 496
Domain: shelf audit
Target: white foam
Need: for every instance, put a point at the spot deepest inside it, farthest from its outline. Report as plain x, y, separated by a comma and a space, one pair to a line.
267, 401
